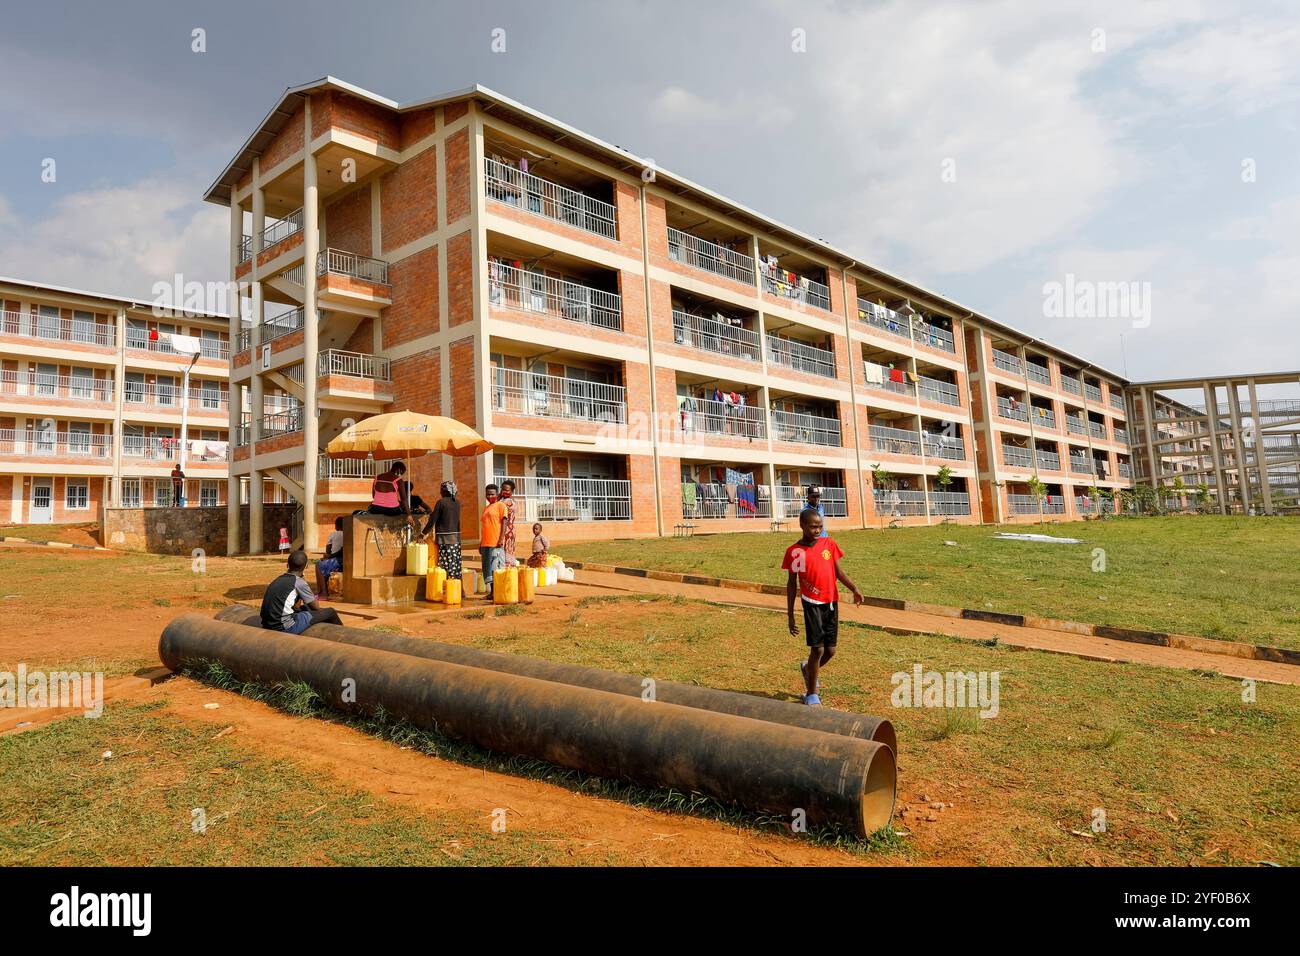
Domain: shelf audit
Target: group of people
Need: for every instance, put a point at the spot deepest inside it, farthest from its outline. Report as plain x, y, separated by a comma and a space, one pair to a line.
496, 540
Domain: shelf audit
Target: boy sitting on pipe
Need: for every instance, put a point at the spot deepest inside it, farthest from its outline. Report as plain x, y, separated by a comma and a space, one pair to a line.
289, 604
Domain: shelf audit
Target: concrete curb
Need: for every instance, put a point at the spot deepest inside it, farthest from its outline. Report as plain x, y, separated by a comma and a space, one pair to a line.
54, 544
1187, 642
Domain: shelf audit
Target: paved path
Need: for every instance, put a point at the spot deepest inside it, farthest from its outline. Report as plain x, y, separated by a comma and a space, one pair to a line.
1094, 648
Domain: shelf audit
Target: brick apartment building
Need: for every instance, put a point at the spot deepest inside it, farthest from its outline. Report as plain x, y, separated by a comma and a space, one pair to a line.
642, 351
90, 405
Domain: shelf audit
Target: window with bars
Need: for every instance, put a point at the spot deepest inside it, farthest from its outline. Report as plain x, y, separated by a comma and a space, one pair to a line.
76, 495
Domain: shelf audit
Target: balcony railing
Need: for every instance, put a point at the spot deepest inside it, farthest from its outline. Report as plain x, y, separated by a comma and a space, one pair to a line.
514, 187
40, 443
1071, 384
944, 446
1117, 400
41, 385
898, 504
1081, 466
1029, 504
1091, 392
937, 390
949, 503
155, 448
791, 499
704, 416
711, 335
1016, 412
1125, 470
55, 329
327, 467
139, 339
524, 291
800, 356
709, 256
1096, 429
879, 378
245, 248
802, 289
894, 441
1016, 457
553, 396
717, 501
570, 499
805, 429
169, 396
1007, 362
1038, 374
280, 325
340, 263
244, 340
280, 423
1045, 417
1075, 425
354, 365
282, 229
1048, 460
885, 319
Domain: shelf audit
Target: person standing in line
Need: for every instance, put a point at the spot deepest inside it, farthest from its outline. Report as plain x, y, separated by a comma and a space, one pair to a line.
508, 526
489, 536
446, 528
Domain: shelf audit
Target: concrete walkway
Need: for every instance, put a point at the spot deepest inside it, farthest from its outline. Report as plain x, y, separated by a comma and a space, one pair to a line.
913, 622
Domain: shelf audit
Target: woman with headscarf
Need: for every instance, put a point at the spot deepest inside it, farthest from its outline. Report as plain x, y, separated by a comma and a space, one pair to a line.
446, 529
508, 525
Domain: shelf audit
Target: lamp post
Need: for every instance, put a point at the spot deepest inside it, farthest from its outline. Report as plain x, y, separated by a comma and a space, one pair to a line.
193, 347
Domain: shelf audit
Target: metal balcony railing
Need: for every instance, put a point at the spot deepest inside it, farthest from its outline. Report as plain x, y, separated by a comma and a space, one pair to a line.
800, 356
878, 378
169, 396
805, 429
1048, 460
715, 501
944, 446
894, 441
1007, 362
279, 325
1096, 429
1091, 392
934, 336
1081, 466
1075, 425
282, 229
949, 503
354, 365
711, 335
280, 423
1071, 385
1029, 504
802, 289
524, 291
898, 504
1116, 400
327, 467
1125, 470
244, 340
155, 448
514, 187
705, 416
553, 396
709, 256
1089, 504
791, 499
340, 263
30, 325
885, 319
43, 443
570, 499
41, 385
1038, 374
937, 390
208, 348
245, 248
1045, 417
1015, 412
1016, 457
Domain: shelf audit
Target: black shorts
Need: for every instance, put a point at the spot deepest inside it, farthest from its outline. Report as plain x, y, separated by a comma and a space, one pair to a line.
821, 623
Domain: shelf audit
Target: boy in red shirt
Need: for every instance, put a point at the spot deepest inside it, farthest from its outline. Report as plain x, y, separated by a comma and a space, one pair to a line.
813, 563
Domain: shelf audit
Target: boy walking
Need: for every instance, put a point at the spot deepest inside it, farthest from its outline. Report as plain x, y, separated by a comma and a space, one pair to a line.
814, 568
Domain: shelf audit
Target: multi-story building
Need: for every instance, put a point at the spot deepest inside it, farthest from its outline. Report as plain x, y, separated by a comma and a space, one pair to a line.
91, 404
643, 352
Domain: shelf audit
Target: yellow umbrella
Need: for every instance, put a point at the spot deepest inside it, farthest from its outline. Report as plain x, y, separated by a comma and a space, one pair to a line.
407, 434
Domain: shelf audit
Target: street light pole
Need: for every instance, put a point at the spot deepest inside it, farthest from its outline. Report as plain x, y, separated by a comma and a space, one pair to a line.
185, 419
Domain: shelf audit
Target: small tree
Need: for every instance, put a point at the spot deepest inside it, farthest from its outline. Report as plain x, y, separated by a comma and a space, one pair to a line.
1203, 497
1127, 498
1108, 501
883, 479
1094, 495
1179, 488
1145, 496
1039, 491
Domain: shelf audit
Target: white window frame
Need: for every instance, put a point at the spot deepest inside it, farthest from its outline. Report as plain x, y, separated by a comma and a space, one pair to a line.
209, 493
79, 437
130, 492
82, 500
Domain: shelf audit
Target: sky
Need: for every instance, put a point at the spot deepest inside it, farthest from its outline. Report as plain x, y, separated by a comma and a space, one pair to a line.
994, 152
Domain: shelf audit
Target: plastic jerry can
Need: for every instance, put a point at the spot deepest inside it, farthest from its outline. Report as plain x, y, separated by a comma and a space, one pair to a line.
527, 584
505, 586
435, 583
452, 594
417, 558
467, 582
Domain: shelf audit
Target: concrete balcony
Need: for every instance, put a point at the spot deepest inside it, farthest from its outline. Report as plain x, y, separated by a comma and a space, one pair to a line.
38, 388
950, 503
52, 444
798, 428
351, 282
353, 378
512, 186
800, 356
198, 453
937, 390
710, 257
1007, 362
570, 499
520, 290
704, 417
519, 392
898, 504
797, 288
1012, 410
711, 335
895, 441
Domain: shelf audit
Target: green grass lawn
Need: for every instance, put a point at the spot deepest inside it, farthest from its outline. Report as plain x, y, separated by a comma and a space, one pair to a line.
1233, 578
65, 804
1185, 770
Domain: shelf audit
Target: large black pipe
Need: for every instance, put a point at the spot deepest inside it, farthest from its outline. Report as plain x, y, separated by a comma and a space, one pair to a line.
783, 770
688, 695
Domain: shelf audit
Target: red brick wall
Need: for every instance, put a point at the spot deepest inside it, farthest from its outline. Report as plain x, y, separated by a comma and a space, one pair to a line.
464, 408
460, 280
453, 112
414, 311
458, 189
286, 142
416, 126
347, 222
343, 111
409, 200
